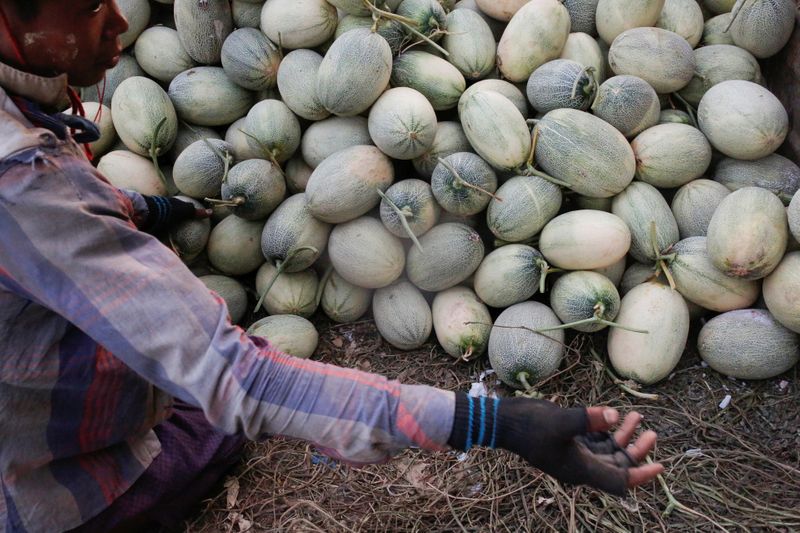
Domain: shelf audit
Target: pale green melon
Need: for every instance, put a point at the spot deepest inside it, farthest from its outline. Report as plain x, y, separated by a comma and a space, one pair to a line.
535, 35
231, 291
298, 23
402, 315
582, 15
613, 272
694, 204
613, 17
683, 17
585, 240
774, 173
716, 31
256, 186
719, 6
199, 170
748, 344
344, 302
502, 10
642, 206
440, 82
496, 129
451, 254
470, 42
561, 83
671, 155
583, 48
636, 274
126, 170
529, 203
297, 82
782, 292
463, 183
345, 185
649, 357
748, 234
292, 293
233, 246
794, 216
239, 141
293, 235
510, 275
700, 282
351, 7
364, 253
137, 12
450, 139
250, 59
188, 238
293, 335
662, 58
413, 200
496, 26
326, 137
188, 134
743, 120
572, 141
297, 174
598, 204
206, 96
203, 28
246, 14
127, 67
273, 130
391, 30
628, 103
428, 15
718, 63
585, 296
763, 27
402, 123
462, 323
509, 90
160, 53
520, 357
144, 116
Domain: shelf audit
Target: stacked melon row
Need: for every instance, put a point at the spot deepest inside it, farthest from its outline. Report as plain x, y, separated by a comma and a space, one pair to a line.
493, 172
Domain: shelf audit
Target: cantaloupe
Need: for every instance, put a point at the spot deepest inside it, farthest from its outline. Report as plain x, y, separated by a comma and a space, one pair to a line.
585, 301
462, 323
127, 67
246, 14
645, 211
570, 142
429, 16
613, 272
649, 357
231, 291
585, 240
402, 123
500, 9
510, 275
450, 254
402, 315
520, 357
719, 6
188, 134
509, 90
716, 31
391, 30
344, 302
144, 117
137, 12
127, 170
583, 48
671, 155
496, 129
297, 174
351, 7
636, 274
582, 15
233, 246
718, 63
450, 139
528, 204
290, 334
203, 28
364, 253
743, 120
774, 173
561, 83
297, 83
683, 17
240, 144
206, 96
298, 23
463, 183
748, 234
345, 185
437, 79
292, 235
409, 208
794, 216
615, 16
273, 131
748, 344
326, 137
628, 103
662, 58
287, 293
250, 59
161, 55
694, 205
470, 42
782, 292
763, 27
188, 238
199, 170
256, 187
496, 26
535, 35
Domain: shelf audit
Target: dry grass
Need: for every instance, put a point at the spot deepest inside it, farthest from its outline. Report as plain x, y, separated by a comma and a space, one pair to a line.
732, 469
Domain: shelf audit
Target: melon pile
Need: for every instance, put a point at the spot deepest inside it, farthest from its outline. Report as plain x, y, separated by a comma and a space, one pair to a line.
491, 172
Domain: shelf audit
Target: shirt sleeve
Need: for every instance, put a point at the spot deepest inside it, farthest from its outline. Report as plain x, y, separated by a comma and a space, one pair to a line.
68, 244
139, 206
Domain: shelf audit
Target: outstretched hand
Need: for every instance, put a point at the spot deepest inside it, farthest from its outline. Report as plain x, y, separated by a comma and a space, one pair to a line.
165, 213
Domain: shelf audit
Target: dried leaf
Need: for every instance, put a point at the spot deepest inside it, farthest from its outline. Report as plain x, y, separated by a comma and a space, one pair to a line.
232, 493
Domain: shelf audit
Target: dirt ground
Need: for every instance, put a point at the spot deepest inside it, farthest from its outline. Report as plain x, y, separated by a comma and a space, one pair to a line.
731, 468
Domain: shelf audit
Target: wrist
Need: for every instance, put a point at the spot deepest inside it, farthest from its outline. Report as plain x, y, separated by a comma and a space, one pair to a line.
476, 422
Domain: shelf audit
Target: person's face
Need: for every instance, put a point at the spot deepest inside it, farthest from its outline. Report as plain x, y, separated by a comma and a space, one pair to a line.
79, 38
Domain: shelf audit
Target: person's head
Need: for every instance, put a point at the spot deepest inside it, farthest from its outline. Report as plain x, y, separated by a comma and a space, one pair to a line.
79, 38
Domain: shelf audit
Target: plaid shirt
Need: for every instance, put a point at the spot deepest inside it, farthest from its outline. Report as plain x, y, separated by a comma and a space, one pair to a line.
101, 326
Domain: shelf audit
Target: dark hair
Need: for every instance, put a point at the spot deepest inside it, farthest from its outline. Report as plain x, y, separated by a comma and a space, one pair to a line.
25, 9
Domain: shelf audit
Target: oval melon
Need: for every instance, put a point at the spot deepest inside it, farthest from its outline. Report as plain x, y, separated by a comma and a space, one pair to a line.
613, 272
251, 60
298, 23
231, 291
239, 141
470, 42
660, 57
584, 49
649, 357
561, 83
203, 28
344, 302
127, 67
289, 233
428, 15
273, 131
101, 116
326, 137
297, 83
391, 30
748, 344
628, 103
743, 120
694, 204
450, 139
161, 55
364, 253
402, 123
144, 116
585, 295
674, 116
671, 155
126, 170
462, 323
451, 254
199, 170
402, 315
509, 275
440, 82
719, 6
683, 17
188, 238
502, 10
582, 15
718, 63
529, 203
748, 235
496, 26
463, 183
206, 96
715, 30
763, 27
293, 335
641, 206
415, 202
297, 174
774, 173
782, 292
137, 12
233, 246
188, 134
519, 356
509, 90
616, 16
257, 186
585, 240
291, 293
246, 14
635, 275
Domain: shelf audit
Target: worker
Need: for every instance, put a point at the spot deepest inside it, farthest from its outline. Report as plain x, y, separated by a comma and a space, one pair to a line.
125, 391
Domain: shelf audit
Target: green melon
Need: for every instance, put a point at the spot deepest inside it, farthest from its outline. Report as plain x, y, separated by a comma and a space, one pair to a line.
429, 16
256, 187
585, 240
188, 238
748, 344
774, 173
290, 334
199, 170
250, 59
351, 7
402, 123
628, 103
694, 204
502, 10
582, 15
462, 323
496, 129
671, 155
161, 55
391, 30
529, 203
583, 48
402, 315
470, 42
246, 14
782, 292
206, 96
413, 201
297, 82
189, 134
635, 275
324, 138
344, 302
364, 253
127, 67
510, 275
231, 291
561, 83
273, 131
613, 272
297, 174
298, 23
450, 139
440, 82
495, 25
137, 12
293, 235
450, 254
716, 31
644, 209
292, 293
203, 28
126, 170
509, 90
718, 63
660, 57
763, 27
613, 17
233, 246
239, 141
683, 17
587, 300
144, 117
719, 6
463, 183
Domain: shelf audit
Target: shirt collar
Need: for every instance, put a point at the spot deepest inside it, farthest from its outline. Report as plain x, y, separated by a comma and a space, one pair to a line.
47, 92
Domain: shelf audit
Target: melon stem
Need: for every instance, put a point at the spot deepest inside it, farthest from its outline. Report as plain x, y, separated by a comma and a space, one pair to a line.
661, 259
465, 183
522, 377
236, 201
155, 151
265, 151
544, 268
618, 382
538, 173
532, 153
281, 267
596, 319
467, 355
689, 109
408, 23
226, 158
589, 72
736, 10
402, 215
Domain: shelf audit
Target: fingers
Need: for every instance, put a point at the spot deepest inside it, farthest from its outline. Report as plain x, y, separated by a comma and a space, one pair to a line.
203, 213
644, 474
601, 418
625, 433
643, 446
